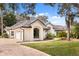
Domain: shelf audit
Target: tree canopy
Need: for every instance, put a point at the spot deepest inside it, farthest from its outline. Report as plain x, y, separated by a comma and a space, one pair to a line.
9, 19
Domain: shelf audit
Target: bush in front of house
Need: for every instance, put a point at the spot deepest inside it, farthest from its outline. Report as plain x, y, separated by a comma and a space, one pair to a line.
76, 35
5, 35
61, 34
75, 30
50, 36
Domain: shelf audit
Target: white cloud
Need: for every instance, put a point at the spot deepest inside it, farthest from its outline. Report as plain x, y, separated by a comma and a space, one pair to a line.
58, 20
56, 17
36, 15
42, 14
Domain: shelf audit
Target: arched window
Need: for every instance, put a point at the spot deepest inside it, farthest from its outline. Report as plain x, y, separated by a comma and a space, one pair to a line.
36, 33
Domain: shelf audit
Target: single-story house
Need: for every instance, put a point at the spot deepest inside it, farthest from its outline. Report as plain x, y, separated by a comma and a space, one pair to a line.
31, 29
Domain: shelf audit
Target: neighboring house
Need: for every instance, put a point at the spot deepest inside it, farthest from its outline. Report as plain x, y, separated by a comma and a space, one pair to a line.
59, 28
31, 29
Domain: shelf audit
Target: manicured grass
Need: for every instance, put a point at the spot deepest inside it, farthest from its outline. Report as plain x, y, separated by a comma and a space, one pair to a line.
57, 48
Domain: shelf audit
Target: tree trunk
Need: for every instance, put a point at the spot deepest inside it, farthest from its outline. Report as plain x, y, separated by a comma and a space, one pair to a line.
68, 28
68, 34
1, 24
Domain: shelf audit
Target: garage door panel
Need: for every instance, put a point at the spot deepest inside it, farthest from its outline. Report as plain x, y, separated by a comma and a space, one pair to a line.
18, 36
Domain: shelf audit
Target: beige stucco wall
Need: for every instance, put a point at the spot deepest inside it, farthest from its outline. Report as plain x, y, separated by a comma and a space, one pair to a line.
20, 30
44, 34
28, 32
51, 30
15, 32
40, 26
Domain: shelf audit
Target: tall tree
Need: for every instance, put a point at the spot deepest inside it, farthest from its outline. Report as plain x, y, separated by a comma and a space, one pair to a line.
2, 9
66, 10
70, 11
29, 8
9, 19
14, 7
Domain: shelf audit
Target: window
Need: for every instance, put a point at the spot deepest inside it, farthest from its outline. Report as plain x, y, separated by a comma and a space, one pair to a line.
12, 33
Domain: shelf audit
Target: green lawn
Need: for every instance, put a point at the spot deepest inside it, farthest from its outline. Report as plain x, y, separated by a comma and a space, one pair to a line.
57, 48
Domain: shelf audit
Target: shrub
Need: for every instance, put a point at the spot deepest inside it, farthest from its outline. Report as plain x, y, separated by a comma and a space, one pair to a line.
76, 35
72, 35
75, 30
61, 34
5, 35
50, 36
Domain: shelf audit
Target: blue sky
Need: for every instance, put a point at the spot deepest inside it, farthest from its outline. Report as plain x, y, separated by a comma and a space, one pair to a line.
51, 12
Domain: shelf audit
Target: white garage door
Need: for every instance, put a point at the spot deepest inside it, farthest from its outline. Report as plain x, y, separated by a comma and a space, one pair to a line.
18, 36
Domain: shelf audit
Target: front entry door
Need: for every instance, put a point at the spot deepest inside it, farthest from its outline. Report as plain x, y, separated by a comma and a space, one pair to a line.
36, 34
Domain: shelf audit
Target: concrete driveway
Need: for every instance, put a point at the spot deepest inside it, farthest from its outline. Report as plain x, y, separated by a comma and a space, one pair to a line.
9, 47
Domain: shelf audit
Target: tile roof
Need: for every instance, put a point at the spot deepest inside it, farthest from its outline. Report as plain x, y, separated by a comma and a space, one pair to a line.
58, 27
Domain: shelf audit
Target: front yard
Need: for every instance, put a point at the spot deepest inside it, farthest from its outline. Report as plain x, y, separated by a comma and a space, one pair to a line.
57, 48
